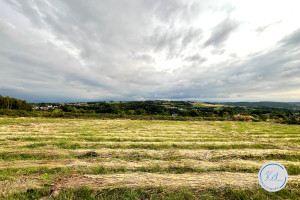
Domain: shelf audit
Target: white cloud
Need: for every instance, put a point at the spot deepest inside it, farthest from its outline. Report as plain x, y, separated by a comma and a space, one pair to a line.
207, 50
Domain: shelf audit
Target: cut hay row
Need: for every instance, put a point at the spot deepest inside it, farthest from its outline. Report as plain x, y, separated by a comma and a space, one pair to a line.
99, 154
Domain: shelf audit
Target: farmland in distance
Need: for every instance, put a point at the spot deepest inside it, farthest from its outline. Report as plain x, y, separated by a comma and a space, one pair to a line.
44, 158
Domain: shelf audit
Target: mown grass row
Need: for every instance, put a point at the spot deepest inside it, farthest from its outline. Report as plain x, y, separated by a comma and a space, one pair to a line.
138, 156
166, 134
66, 137
80, 126
154, 139
292, 191
14, 172
10, 156
120, 139
70, 145
65, 144
173, 169
44, 172
271, 156
181, 169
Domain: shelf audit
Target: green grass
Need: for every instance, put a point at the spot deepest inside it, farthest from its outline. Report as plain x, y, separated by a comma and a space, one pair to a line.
134, 156
296, 141
177, 169
272, 156
292, 169
165, 138
29, 194
10, 156
138, 157
67, 144
156, 193
25, 139
179, 146
13, 172
93, 147
35, 145
105, 170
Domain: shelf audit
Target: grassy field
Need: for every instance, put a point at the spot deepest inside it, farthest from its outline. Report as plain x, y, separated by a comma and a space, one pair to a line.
142, 159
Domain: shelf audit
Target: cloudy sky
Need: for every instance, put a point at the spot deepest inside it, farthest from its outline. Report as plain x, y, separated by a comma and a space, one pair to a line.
216, 50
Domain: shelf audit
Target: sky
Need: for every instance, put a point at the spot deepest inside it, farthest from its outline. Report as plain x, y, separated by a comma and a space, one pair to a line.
97, 50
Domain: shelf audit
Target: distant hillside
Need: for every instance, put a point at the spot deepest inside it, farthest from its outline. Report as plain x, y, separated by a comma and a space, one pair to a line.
268, 104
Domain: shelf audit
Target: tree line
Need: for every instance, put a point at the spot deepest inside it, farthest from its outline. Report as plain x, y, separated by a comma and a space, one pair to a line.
173, 110
10, 103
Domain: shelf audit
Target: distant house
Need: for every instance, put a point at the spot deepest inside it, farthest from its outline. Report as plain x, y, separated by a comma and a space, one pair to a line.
50, 107
174, 115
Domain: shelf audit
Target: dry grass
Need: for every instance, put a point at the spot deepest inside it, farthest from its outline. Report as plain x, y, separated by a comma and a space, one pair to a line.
159, 147
216, 179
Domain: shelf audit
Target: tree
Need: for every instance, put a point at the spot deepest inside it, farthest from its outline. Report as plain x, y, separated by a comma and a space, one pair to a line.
140, 111
278, 115
13, 103
193, 113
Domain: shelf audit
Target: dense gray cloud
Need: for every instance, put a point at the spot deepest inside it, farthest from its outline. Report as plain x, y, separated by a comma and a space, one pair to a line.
115, 50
